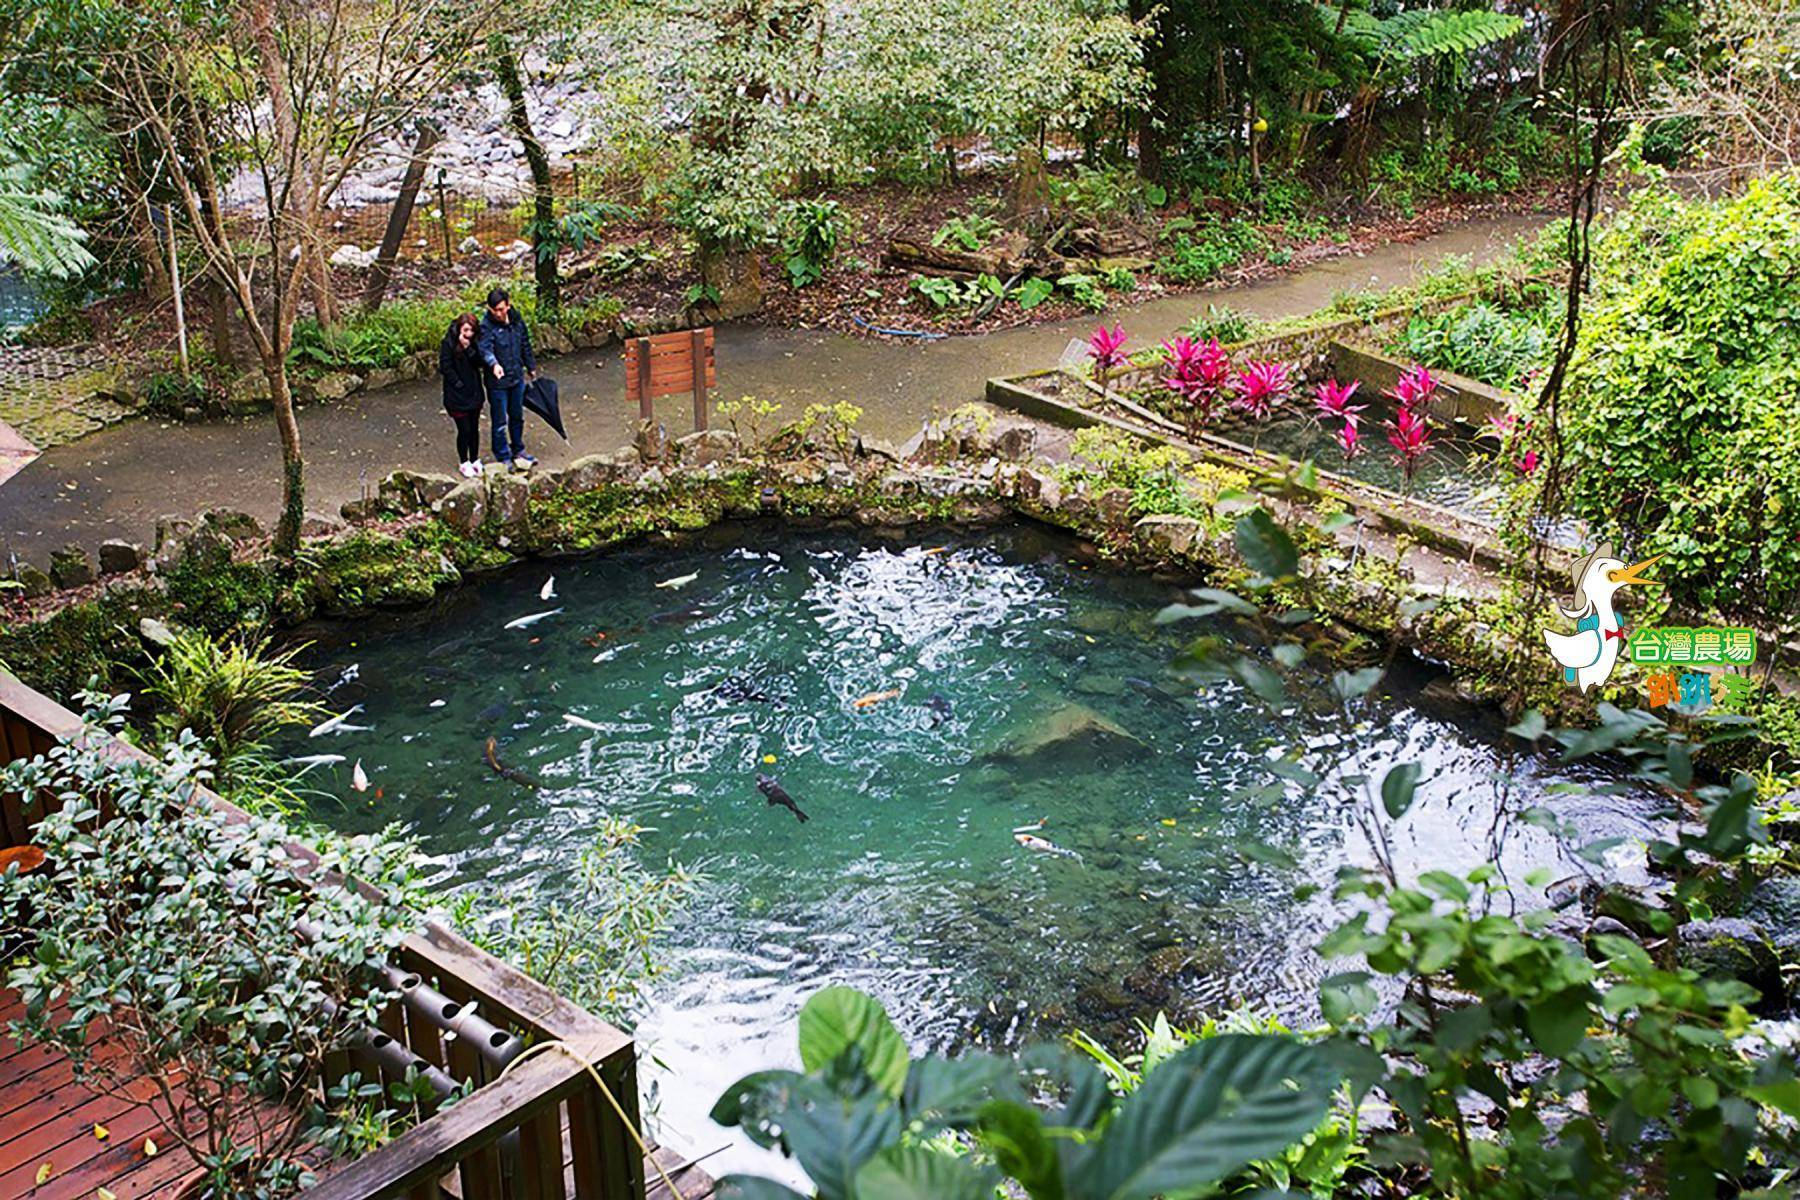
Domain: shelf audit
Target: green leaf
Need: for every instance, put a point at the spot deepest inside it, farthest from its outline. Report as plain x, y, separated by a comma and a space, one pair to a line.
1034, 291
1265, 545
729, 1109
1014, 1134
1265, 683
1397, 789
1353, 685
952, 1090
915, 1173
1205, 1113
837, 1018
831, 1142
1346, 996
1559, 1021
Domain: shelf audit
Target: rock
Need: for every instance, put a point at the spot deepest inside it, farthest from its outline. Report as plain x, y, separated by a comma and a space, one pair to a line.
118, 556
71, 566
156, 632
334, 386
1099, 685
360, 512
469, 245
231, 524
407, 492
32, 581
551, 339
1171, 535
1073, 727
354, 257
381, 377
802, 472
839, 476
170, 529
589, 473
1773, 906
317, 525
709, 446
1730, 948
248, 393
464, 509
590, 337
513, 251
1015, 441
1115, 506
509, 504
652, 442
652, 480
874, 447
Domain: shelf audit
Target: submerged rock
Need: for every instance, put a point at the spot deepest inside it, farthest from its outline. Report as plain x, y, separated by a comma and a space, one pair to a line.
1070, 728
1168, 534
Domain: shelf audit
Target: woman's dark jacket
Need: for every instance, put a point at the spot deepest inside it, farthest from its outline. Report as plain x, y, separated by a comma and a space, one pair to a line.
461, 370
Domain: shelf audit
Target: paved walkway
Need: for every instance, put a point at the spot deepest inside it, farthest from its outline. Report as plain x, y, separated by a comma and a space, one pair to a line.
47, 393
116, 482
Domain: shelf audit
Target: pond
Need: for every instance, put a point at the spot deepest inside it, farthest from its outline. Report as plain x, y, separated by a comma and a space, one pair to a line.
1018, 686
19, 302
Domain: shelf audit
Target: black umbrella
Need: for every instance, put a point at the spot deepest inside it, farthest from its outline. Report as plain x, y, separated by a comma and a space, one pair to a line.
540, 398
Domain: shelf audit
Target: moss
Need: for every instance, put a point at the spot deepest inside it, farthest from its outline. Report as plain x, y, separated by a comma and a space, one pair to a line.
210, 590
95, 640
370, 569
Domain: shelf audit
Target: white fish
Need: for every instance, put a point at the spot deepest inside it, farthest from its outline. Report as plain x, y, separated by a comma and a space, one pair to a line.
438, 703
1033, 827
309, 761
359, 778
548, 591
1043, 847
533, 619
679, 581
336, 724
584, 723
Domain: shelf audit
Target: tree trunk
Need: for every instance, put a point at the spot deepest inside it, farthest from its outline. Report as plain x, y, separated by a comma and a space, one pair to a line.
1150, 132
218, 316
293, 480
543, 221
401, 216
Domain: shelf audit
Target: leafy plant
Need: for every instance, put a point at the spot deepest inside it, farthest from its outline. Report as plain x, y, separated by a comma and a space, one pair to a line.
1498, 346
184, 928
580, 223
970, 231
1106, 194
1084, 289
1209, 249
813, 230
855, 1119
1033, 292
1222, 323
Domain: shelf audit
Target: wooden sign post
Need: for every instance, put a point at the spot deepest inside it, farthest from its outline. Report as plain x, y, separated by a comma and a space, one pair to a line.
668, 364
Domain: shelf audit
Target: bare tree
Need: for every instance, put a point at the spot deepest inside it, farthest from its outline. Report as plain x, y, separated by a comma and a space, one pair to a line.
293, 93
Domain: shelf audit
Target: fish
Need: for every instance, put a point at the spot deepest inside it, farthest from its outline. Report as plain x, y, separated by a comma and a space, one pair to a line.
874, 698
584, 723
492, 712
348, 675
548, 591
506, 772
737, 687
680, 581
359, 778
677, 616
1033, 842
595, 638
533, 619
770, 787
1033, 827
438, 671
940, 707
337, 724
307, 762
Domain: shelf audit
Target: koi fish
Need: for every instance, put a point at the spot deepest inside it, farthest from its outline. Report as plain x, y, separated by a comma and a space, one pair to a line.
680, 581
337, 724
548, 591
1032, 842
874, 698
308, 761
1033, 827
359, 778
533, 619
770, 787
506, 772
584, 723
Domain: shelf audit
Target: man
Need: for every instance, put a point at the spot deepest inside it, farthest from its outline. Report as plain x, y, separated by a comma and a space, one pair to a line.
505, 347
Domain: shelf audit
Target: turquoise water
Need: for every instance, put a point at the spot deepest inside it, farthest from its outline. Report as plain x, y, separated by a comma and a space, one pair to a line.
906, 880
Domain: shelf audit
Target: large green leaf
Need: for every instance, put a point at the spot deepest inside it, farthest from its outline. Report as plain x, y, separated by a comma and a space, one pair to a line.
749, 1187
1205, 1113
1265, 545
952, 1090
915, 1173
837, 1018
1397, 789
831, 1142
1014, 1135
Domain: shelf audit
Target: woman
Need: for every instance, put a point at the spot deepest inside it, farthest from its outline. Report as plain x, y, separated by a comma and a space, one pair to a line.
460, 365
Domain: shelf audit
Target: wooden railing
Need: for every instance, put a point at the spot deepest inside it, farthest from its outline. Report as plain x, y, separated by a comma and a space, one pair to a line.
544, 1129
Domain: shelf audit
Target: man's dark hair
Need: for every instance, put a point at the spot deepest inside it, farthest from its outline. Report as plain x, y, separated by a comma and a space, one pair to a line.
497, 297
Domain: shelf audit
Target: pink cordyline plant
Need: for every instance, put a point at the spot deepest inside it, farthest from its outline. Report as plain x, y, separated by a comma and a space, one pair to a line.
1415, 388
1347, 440
1333, 399
1529, 463
1107, 349
1261, 387
1409, 434
1197, 372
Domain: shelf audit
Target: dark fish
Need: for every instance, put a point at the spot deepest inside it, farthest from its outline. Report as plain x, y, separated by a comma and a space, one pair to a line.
740, 688
447, 647
940, 706
1153, 690
436, 671
492, 712
676, 616
767, 785
506, 772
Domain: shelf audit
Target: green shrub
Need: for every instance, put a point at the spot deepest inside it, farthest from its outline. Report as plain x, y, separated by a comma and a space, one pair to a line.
1211, 247
810, 241
1495, 345
1679, 413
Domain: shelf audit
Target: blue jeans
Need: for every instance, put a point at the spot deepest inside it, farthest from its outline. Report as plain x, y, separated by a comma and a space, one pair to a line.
506, 409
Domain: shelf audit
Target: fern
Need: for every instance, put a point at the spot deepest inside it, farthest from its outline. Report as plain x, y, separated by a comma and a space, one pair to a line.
35, 234
1449, 32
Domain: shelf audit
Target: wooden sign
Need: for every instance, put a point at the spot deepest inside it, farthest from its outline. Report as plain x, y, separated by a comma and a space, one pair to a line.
668, 364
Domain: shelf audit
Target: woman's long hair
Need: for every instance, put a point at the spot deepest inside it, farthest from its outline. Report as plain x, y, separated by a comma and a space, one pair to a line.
474, 332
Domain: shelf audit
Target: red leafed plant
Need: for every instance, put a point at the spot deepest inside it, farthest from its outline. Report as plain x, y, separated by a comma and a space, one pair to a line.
1415, 388
1410, 434
1261, 387
1197, 372
1333, 399
1107, 349
1347, 438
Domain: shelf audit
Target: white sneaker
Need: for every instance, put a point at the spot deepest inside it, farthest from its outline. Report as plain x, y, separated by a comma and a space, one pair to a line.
475, 468
466, 470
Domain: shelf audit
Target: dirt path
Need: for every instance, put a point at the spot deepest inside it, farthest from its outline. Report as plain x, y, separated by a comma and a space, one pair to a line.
116, 482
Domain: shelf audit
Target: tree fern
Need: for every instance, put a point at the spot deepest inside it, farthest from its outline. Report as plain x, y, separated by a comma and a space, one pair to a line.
35, 233
1434, 33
